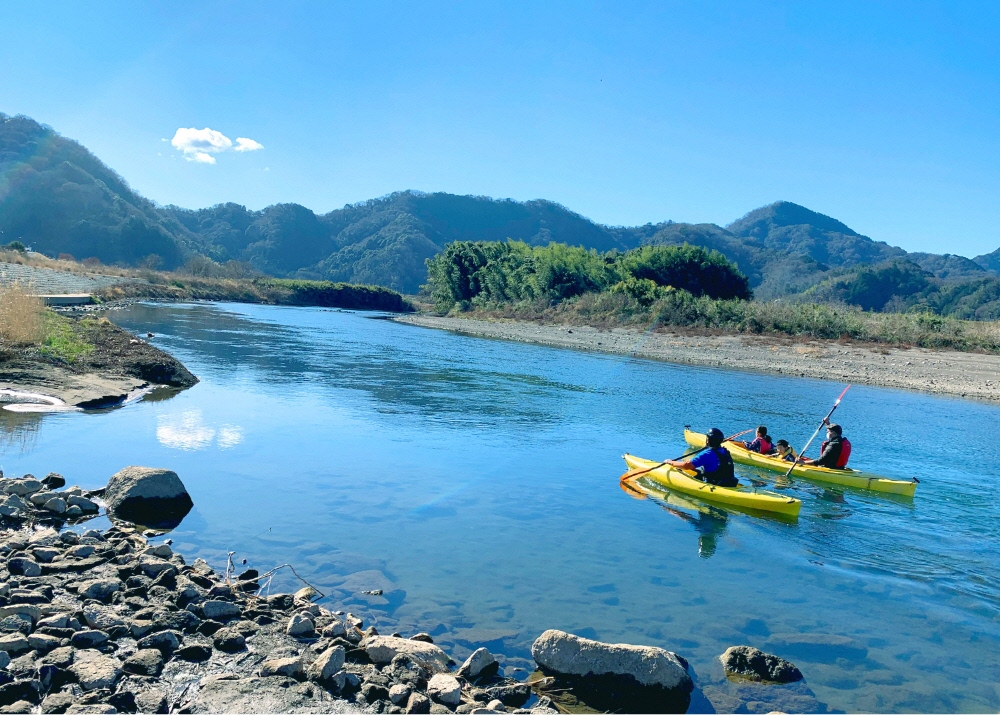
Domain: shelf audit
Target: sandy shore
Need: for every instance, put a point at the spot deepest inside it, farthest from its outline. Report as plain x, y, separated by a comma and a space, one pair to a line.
956, 374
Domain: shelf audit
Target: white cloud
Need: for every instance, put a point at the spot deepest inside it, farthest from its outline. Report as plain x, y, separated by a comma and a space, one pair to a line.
244, 144
199, 145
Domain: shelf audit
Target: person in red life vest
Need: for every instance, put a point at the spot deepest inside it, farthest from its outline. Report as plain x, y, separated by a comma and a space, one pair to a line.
835, 452
762, 444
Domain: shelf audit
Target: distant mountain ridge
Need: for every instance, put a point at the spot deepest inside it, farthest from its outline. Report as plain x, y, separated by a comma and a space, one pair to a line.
59, 198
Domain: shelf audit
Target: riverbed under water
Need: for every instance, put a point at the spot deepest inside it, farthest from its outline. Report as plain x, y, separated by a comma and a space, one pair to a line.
476, 483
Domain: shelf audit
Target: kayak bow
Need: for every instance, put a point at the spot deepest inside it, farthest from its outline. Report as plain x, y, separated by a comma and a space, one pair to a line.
681, 480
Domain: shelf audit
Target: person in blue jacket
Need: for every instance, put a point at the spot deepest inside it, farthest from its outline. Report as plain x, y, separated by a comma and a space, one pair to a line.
714, 465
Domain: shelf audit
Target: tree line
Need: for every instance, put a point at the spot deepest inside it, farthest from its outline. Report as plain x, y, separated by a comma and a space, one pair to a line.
469, 274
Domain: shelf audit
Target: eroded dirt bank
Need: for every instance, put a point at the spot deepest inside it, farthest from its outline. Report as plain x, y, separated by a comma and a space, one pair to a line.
116, 364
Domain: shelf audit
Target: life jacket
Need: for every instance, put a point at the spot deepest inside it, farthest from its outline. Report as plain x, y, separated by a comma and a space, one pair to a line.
725, 474
845, 453
766, 446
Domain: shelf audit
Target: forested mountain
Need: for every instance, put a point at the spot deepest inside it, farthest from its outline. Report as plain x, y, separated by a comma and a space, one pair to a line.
59, 198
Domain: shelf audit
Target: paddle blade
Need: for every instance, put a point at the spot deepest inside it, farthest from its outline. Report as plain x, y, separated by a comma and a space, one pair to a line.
631, 489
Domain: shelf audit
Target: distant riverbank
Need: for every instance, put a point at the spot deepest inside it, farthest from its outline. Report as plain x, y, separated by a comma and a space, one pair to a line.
941, 372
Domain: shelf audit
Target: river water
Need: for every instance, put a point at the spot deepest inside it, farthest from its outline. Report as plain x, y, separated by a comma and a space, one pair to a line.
476, 483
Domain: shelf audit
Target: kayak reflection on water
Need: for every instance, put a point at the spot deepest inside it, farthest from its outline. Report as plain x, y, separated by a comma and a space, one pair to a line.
710, 523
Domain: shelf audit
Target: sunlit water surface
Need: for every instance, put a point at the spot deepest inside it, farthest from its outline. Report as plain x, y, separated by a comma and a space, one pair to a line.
476, 483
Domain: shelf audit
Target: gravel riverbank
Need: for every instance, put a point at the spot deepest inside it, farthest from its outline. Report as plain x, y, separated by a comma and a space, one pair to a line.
955, 374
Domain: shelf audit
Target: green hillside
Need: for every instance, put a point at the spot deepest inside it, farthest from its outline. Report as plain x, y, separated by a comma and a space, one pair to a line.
58, 198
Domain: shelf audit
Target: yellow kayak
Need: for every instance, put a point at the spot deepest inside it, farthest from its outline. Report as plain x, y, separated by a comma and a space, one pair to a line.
741, 496
845, 477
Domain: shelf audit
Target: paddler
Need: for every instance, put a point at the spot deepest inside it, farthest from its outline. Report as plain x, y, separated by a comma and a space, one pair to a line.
761, 443
834, 452
714, 465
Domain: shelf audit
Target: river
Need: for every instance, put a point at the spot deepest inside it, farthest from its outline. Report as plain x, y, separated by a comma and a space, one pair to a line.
475, 483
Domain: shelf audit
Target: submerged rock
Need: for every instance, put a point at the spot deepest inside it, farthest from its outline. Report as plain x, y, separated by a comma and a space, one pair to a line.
152, 497
747, 662
615, 676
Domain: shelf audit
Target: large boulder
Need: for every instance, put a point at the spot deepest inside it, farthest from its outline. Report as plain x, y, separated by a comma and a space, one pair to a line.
743, 661
615, 676
151, 497
382, 649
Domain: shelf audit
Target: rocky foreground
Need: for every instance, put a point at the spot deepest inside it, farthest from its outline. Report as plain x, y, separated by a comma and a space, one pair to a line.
115, 621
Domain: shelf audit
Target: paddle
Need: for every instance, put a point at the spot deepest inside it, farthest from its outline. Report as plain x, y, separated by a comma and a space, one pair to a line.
825, 420
639, 472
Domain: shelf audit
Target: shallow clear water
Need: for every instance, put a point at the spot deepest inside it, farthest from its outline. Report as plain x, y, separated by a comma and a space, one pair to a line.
476, 483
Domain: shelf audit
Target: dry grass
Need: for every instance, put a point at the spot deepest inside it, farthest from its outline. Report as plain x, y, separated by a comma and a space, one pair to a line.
20, 316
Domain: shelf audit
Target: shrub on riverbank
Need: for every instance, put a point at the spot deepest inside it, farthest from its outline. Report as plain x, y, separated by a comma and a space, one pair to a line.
683, 311
485, 273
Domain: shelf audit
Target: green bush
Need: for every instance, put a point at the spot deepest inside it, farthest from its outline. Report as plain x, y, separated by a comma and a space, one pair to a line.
482, 273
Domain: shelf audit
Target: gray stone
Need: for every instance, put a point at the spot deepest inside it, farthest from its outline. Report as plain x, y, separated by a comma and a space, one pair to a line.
99, 589
145, 661
4, 659
45, 554
287, 667
382, 649
42, 643
166, 641
94, 670
162, 551
195, 653
747, 662
23, 566
300, 625
86, 505
80, 551
399, 694
220, 610
57, 505
418, 704
496, 706
229, 640
39, 498
102, 618
154, 497
58, 702
329, 662
90, 709
445, 689
153, 567
23, 487
263, 695
480, 664
59, 657
60, 620
18, 706
14, 643
88, 639
615, 675
336, 629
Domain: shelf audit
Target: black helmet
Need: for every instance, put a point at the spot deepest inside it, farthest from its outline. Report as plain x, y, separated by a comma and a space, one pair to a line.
715, 436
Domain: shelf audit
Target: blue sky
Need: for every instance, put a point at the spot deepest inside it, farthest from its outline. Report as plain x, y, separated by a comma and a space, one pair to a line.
885, 116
